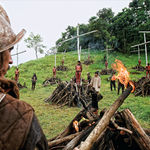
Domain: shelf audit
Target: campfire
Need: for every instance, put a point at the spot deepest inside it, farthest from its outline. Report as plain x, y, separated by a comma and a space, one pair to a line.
108, 130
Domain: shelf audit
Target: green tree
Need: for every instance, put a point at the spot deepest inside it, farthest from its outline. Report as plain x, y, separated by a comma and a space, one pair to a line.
35, 42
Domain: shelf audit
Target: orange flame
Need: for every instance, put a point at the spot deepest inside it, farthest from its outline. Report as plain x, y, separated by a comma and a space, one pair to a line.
76, 125
123, 74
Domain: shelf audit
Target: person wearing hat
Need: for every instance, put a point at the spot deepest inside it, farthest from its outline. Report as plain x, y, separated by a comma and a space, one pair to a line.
96, 84
20, 129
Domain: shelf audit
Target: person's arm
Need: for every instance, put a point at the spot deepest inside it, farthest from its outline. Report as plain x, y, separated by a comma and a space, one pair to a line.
91, 82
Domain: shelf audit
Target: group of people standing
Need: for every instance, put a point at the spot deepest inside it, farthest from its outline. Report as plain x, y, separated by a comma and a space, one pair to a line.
113, 80
33, 79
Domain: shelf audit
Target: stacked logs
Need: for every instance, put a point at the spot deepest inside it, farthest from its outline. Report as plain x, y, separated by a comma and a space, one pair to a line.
20, 86
88, 62
51, 81
122, 133
106, 71
142, 87
62, 68
139, 68
67, 93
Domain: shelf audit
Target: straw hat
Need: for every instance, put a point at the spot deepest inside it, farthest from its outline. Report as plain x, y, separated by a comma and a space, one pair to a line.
7, 37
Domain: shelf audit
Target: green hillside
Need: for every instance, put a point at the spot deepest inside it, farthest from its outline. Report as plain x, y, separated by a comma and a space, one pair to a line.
52, 119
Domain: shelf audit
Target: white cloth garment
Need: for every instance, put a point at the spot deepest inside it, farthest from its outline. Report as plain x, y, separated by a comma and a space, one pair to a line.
96, 83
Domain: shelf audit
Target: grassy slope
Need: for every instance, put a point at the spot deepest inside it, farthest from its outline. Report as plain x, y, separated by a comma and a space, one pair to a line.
54, 120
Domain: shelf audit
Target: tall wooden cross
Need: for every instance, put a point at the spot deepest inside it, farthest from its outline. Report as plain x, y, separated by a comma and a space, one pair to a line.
144, 33
78, 40
17, 54
138, 45
107, 50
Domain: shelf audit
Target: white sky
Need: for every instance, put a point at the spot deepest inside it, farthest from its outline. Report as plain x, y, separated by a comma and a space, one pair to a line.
50, 18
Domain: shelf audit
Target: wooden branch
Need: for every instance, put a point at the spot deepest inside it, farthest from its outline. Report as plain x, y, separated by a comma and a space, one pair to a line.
58, 141
121, 128
139, 134
87, 144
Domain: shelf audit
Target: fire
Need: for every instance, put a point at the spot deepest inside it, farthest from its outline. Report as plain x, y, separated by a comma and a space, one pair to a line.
123, 75
76, 125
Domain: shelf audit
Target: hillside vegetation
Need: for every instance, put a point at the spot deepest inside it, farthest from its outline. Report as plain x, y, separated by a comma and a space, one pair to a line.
53, 119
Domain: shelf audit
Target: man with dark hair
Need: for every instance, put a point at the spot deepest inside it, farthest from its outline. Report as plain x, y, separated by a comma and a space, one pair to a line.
113, 82
78, 69
89, 77
96, 84
19, 127
120, 86
34, 79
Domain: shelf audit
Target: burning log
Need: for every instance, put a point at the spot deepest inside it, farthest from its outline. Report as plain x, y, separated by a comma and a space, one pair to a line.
51, 81
142, 87
112, 137
87, 144
62, 68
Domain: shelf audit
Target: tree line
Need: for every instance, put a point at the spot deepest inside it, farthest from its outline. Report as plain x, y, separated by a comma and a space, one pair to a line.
118, 32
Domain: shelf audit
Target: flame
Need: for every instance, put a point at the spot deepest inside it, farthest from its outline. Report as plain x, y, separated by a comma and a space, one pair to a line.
123, 75
76, 125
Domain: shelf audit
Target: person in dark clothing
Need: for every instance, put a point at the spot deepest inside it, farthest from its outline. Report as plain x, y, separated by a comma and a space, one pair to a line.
20, 129
120, 86
89, 78
113, 82
34, 79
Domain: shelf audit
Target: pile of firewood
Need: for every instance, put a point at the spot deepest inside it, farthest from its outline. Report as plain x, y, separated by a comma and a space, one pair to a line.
20, 86
106, 71
142, 87
139, 68
110, 130
62, 68
88, 62
67, 93
51, 81
120, 134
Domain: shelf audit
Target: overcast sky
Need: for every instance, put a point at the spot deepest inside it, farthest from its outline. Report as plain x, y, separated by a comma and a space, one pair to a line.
50, 18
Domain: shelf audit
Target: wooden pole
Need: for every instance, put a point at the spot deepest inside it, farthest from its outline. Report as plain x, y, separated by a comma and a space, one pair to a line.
103, 123
145, 49
17, 56
144, 32
78, 42
138, 52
